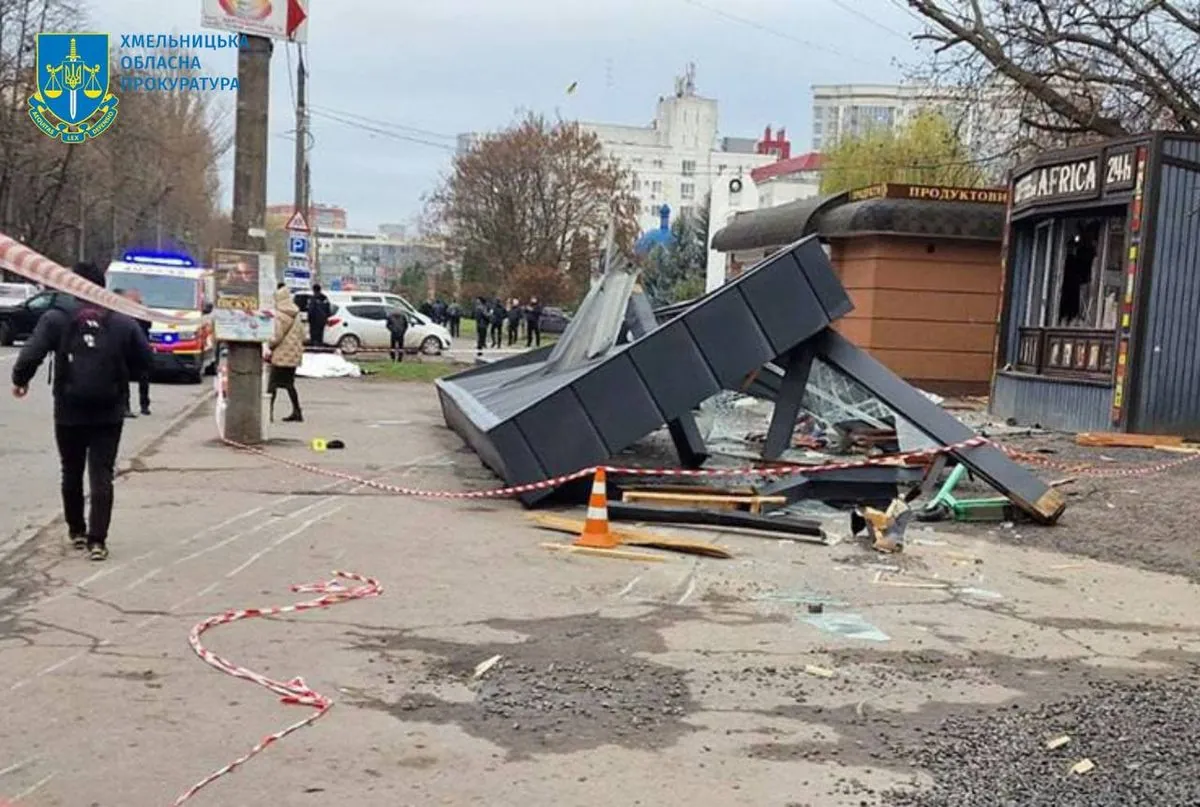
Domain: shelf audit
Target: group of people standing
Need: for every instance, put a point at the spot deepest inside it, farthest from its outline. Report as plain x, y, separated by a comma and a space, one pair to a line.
442, 313
491, 319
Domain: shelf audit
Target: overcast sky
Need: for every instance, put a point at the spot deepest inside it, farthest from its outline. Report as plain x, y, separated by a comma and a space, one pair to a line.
451, 66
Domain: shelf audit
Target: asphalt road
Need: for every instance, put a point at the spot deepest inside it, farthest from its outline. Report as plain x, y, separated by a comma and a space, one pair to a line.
29, 461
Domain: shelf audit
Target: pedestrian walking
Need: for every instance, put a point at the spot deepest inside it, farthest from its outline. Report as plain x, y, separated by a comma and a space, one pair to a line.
454, 312
319, 312
397, 325
533, 323
439, 312
143, 381
514, 320
96, 353
286, 352
482, 321
498, 316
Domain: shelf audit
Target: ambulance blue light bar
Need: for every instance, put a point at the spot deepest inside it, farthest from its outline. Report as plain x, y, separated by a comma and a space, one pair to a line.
160, 258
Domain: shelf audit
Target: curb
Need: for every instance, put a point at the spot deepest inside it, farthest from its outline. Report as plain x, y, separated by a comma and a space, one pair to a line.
148, 445
123, 467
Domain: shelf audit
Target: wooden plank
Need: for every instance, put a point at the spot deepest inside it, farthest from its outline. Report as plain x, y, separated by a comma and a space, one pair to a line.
605, 553
633, 537
1120, 440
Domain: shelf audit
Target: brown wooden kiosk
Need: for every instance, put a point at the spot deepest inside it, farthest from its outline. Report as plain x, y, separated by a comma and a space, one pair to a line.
1100, 326
922, 266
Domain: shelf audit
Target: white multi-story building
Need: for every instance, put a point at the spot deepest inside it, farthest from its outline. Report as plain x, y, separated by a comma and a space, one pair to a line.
679, 157
982, 119
777, 183
372, 259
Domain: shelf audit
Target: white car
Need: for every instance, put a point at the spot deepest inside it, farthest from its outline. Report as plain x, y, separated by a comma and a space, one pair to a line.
13, 294
357, 326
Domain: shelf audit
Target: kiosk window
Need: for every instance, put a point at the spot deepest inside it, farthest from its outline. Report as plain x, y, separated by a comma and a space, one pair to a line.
1073, 301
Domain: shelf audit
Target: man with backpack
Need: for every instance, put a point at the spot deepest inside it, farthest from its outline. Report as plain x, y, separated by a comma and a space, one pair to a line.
96, 354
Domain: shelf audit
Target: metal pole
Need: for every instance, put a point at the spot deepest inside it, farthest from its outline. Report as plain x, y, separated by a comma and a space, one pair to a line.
243, 419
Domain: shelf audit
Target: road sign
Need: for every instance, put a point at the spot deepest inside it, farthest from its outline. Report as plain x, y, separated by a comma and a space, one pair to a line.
298, 264
297, 223
284, 19
297, 245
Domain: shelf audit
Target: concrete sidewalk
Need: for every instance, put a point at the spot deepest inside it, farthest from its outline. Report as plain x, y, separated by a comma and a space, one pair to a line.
683, 682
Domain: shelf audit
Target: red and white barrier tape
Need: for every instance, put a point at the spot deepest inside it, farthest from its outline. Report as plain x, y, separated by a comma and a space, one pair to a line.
18, 258
294, 692
911, 457
615, 470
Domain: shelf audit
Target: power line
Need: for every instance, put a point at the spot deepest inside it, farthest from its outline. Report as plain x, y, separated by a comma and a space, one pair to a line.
379, 130
849, 9
767, 29
385, 123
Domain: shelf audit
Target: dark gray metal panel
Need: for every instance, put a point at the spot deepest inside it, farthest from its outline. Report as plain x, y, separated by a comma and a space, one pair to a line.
619, 402
1167, 366
1032, 494
519, 460
559, 431
786, 306
811, 257
1053, 404
729, 337
674, 368
1184, 149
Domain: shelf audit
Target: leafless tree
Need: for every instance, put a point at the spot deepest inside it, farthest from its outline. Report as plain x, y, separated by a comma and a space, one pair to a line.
521, 197
152, 178
1071, 70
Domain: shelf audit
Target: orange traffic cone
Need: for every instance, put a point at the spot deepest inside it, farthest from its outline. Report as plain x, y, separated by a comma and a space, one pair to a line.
596, 533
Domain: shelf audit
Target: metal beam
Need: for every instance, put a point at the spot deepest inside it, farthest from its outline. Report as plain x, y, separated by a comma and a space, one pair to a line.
787, 402
1039, 500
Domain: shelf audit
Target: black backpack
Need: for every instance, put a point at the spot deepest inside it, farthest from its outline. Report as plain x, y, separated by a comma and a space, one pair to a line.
90, 363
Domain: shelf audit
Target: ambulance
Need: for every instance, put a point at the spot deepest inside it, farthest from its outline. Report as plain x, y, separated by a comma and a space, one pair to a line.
176, 286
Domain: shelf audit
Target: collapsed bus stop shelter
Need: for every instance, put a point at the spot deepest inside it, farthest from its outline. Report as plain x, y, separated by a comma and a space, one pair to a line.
617, 375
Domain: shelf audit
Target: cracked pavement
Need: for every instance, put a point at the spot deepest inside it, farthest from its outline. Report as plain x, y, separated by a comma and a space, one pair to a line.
685, 682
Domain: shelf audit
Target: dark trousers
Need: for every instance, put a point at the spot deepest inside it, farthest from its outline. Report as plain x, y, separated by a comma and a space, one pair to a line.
94, 448
316, 332
497, 333
481, 334
513, 329
455, 327
397, 348
143, 395
283, 378
533, 335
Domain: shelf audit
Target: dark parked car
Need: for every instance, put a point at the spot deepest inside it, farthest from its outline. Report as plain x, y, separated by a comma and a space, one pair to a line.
18, 322
554, 320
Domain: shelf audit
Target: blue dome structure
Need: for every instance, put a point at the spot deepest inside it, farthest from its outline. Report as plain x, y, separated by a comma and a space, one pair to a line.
655, 238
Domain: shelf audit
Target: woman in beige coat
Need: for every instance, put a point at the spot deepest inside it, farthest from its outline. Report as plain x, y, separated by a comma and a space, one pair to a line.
287, 351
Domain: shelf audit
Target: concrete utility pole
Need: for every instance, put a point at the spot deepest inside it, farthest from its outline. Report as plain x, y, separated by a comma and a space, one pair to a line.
243, 418
302, 139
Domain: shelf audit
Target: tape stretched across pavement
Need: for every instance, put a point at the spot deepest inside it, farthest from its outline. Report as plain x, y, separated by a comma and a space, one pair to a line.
21, 260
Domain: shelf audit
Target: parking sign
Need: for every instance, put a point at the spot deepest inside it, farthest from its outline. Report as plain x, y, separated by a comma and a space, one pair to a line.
298, 245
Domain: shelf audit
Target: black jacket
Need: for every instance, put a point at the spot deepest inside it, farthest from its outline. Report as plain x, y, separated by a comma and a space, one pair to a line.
498, 314
318, 309
533, 315
47, 338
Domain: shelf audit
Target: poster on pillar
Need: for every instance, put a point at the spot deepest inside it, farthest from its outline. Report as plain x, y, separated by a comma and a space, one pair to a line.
274, 19
242, 310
